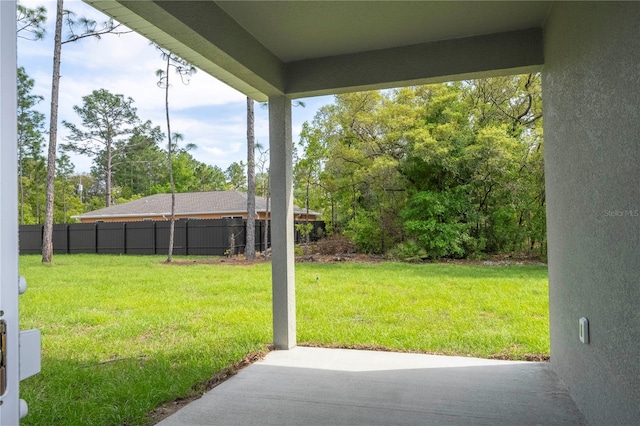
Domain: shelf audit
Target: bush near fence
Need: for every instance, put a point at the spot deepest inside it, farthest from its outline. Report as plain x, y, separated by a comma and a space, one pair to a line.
209, 237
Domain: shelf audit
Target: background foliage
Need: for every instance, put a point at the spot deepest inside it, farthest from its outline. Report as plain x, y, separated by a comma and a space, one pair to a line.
453, 170
450, 170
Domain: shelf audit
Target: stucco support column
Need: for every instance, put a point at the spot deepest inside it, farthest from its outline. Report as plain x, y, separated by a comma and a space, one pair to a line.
281, 181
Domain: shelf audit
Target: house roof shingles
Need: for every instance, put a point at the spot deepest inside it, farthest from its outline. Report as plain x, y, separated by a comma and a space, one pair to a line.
187, 203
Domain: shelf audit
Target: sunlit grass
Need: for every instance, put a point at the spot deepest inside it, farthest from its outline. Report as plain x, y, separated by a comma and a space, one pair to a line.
449, 309
124, 334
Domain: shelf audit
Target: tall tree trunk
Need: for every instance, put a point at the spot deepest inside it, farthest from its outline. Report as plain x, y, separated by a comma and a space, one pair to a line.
172, 225
47, 237
250, 245
108, 174
307, 238
266, 226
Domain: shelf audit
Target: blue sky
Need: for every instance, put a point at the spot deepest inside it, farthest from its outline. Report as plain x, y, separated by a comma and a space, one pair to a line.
207, 112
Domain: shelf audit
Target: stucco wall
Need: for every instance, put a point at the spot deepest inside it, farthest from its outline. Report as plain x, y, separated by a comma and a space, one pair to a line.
591, 89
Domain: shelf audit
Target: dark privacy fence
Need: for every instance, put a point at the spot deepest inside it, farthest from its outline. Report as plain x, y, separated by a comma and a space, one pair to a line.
192, 237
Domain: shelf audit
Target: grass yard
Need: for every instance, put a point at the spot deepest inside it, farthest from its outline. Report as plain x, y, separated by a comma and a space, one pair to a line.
124, 334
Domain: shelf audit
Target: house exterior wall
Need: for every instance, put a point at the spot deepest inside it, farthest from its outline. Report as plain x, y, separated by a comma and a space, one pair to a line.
158, 218
591, 91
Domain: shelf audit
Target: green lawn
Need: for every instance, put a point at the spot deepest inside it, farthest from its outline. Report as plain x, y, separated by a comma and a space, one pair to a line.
123, 334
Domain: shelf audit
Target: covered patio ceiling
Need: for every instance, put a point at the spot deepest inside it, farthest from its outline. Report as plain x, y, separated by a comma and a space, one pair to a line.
308, 48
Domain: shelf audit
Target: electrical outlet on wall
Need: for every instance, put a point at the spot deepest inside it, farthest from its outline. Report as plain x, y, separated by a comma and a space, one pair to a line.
584, 330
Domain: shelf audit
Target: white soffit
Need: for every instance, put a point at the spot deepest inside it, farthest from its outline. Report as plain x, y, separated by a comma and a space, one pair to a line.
298, 30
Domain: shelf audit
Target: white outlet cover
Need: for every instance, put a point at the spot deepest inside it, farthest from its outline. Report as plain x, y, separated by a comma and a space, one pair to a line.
583, 330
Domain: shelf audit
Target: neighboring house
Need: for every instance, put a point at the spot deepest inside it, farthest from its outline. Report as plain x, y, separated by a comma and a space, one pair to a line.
189, 205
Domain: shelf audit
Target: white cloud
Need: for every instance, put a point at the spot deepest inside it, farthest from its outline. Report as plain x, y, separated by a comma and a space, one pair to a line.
209, 113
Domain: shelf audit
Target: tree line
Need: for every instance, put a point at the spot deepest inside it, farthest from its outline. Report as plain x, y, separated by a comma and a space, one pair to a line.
129, 160
446, 170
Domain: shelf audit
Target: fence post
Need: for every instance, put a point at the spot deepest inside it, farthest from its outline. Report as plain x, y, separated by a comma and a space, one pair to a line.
124, 237
95, 239
186, 237
244, 232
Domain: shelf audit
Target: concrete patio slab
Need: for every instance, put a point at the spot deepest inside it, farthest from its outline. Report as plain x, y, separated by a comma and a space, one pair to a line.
316, 386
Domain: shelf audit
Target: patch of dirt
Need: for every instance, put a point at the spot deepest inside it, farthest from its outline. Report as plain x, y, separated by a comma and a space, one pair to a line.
525, 357
508, 354
339, 258
338, 249
500, 356
376, 348
239, 260
200, 389
497, 260
313, 256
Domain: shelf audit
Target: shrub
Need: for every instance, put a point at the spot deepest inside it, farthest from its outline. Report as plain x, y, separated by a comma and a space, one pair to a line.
437, 221
408, 251
366, 232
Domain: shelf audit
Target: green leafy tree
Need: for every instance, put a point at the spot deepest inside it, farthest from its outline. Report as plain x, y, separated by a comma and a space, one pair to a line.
30, 26
437, 219
307, 170
357, 166
139, 163
31, 162
107, 120
446, 170
208, 178
68, 203
236, 179
31, 22
438, 212
510, 111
